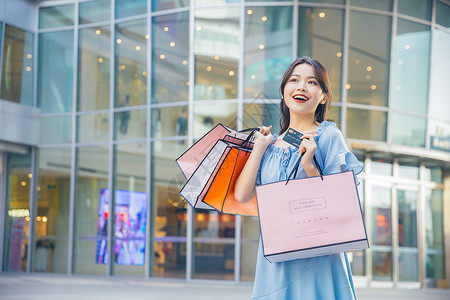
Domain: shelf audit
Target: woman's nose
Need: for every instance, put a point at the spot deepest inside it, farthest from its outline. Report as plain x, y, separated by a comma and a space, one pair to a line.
301, 86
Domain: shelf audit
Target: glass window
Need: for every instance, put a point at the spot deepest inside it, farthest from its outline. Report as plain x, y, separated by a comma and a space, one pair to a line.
334, 115
93, 128
434, 224
408, 171
17, 67
439, 106
262, 114
415, 8
411, 67
214, 246
379, 4
127, 8
434, 174
55, 71
439, 135
131, 124
366, 124
131, 63
443, 13
249, 246
56, 16
170, 58
169, 121
53, 206
158, 5
94, 11
321, 1
369, 55
93, 68
382, 167
408, 130
169, 208
205, 118
90, 229
268, 50
56, 130
407, 235
18, 213
217, 40
130, 208
320, 36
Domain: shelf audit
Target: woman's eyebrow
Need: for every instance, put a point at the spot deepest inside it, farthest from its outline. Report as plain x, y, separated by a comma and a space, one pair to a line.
297, 75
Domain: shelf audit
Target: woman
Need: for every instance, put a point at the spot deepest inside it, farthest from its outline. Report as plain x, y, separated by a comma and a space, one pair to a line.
306, 96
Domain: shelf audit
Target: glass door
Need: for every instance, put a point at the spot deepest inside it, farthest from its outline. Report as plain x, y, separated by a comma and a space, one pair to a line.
381, 232
408, 262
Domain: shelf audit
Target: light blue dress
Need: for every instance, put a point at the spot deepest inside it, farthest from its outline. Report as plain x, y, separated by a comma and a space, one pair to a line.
318, 278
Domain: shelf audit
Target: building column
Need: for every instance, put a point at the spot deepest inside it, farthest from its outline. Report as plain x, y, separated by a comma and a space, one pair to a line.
444, 283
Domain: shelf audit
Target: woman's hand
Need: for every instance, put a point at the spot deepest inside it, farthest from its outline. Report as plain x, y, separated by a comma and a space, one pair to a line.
263, 138
308, 146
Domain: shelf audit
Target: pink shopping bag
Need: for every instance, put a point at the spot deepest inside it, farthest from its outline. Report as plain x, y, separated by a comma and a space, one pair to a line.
311, 216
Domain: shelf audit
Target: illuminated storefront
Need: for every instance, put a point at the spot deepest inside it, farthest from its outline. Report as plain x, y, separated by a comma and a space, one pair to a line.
108, 93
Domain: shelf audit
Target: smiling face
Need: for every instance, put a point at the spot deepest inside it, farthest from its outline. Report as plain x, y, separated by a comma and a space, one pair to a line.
302, 92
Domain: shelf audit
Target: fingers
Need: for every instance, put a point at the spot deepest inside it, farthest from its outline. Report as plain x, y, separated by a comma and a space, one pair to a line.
265, 130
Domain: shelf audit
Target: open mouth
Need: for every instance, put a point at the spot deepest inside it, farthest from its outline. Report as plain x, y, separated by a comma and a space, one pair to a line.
300, 98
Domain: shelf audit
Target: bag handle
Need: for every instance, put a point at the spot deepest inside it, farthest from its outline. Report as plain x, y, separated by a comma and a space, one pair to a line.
295, 169
246, 143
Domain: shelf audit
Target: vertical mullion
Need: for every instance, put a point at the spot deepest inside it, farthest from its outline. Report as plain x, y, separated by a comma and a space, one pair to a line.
110, 233
391, 72
367, 216
344, 66
394, 226
295, 30
33, 209
421, 223
73, 160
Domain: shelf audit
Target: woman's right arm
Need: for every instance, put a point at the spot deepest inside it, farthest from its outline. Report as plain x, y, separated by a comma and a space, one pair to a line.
244, 188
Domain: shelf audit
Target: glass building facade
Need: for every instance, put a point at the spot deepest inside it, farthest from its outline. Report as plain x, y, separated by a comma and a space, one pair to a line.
119, 89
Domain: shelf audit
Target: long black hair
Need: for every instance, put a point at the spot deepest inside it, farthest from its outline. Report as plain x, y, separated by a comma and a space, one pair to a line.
321, 75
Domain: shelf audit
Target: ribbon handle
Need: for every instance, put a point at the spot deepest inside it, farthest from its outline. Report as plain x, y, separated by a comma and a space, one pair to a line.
295, 169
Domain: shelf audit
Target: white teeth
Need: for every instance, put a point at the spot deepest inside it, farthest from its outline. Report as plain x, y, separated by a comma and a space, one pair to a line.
300, 98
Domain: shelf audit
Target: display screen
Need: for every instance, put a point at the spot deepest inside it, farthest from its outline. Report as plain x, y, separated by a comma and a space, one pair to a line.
130, 223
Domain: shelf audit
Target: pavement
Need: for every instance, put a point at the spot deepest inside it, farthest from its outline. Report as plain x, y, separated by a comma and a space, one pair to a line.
64, 287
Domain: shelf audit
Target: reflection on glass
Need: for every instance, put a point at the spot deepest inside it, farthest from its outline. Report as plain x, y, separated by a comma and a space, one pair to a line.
368, 66
131, 124
127, 8
410, 69
170, 58
249, 247
55, 71
379, 4
170, 214
131, 63
407, 235
130, 208
216, 53
366, 124
334, 115
408, 130
262, 114
214, 261
268, 50
18, 213
17, 68
439, 106
93, 68
56, 130
381, 216
205, 118
435, 264
56, 16
320, 36
50, 255
169, 121
94, 11
93, 128
443, 13
415, 8
381, 167
357, 262
169, 4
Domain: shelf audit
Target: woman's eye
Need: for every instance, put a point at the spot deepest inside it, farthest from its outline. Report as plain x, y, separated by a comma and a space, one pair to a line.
294, 80
312, 82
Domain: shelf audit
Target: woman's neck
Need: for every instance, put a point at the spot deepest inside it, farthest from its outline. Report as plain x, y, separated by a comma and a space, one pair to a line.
303, 125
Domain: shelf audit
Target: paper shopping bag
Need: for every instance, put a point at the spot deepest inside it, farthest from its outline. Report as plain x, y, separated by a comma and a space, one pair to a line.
311, 216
